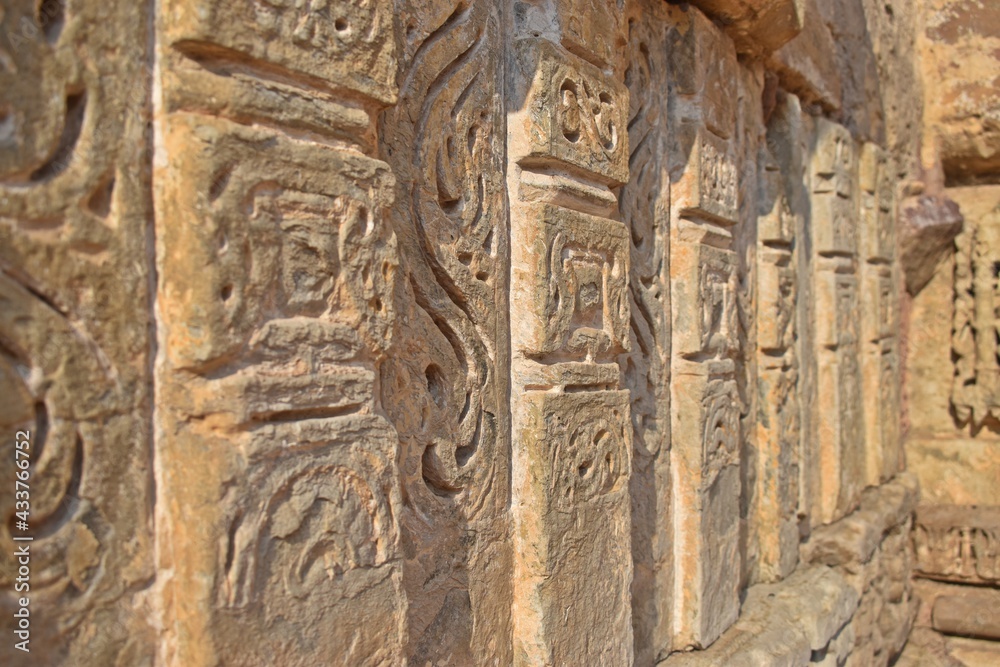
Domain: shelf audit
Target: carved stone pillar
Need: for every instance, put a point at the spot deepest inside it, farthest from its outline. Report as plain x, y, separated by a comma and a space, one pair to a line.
778, 422
705, 401
644, 205
572, 436
76, 341
879, 320
277, 269
839, 416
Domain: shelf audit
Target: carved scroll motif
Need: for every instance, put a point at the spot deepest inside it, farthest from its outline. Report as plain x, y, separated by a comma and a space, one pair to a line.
446, 389
75, 335
455, 215
644, 206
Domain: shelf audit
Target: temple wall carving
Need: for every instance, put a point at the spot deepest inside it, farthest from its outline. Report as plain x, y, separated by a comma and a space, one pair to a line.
456, 332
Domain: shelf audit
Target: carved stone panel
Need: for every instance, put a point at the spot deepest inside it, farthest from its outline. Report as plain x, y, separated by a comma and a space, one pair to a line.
778, 422
645, 209
833, 174
575, 515
879, 323
76, 341
575, 266
705, 325
277, 301
958, 543
839, 412
709, 185
336, 44
573, 113
975, 393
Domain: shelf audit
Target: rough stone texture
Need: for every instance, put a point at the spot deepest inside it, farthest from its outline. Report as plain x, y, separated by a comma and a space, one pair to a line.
456, 332
801, 620
806, 65
928, 227
871, 549
962, 112
976, 611
75, 348
958, 543
757, 26
276, 269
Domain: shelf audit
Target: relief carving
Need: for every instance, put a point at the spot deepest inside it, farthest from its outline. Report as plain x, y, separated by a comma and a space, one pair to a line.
958, 543
879, 325
283, 38
975, 394
445, 390
75, 334
839, 412
578, 265
278, 300
576, 114
778, 423
644, 207
707, 352
572, 435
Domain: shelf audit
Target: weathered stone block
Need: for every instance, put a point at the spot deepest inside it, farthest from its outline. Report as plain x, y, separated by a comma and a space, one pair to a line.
972, 614
570, 113
757, 26
573, 574
329, 43
807, 64
958, 543
574, 270
708, 187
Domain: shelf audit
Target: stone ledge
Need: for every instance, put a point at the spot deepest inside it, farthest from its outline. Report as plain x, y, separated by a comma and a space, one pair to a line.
784, 623
854, 539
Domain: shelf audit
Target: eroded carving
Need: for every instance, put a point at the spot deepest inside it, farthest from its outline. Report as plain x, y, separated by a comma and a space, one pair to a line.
960, 544
975, 393
577, 114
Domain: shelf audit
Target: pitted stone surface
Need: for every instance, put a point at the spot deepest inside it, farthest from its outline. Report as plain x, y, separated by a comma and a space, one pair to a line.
459, 332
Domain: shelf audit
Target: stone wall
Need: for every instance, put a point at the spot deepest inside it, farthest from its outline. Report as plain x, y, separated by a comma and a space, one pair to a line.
459, 332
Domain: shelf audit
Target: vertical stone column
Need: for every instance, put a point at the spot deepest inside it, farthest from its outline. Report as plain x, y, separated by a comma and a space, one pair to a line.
879, 319
278, 491
445, 388
839, 416
572, 436
975, 394
76, 395
644, 205
778, 424
705, 402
